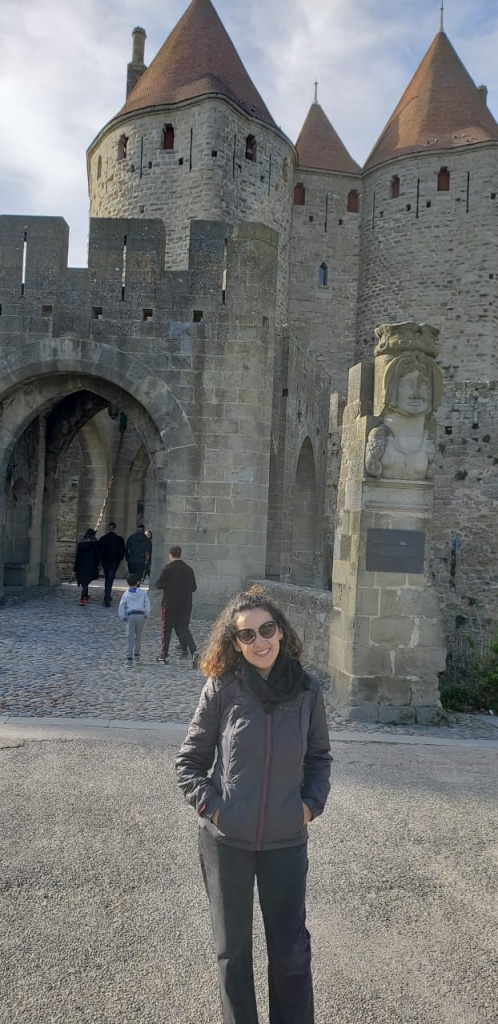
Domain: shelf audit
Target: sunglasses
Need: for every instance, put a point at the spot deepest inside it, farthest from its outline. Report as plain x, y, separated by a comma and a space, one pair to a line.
248, 636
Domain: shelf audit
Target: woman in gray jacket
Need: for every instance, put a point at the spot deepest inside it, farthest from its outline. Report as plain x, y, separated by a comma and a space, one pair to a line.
261, 721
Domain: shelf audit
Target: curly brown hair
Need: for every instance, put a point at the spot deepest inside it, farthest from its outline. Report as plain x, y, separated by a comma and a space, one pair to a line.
219, 655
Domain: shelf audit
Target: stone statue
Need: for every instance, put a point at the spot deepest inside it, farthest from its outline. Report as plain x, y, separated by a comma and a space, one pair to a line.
408, 390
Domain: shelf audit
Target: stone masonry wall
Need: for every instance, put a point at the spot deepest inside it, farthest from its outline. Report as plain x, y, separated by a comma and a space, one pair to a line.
434, 255
193, 376
466, 504
301, 394
324, 316
205, 177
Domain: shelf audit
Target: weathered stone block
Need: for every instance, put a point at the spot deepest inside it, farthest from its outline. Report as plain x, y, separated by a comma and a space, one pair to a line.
397, 632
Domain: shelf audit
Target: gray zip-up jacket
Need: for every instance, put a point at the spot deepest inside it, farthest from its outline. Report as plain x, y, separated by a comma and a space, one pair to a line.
267, 764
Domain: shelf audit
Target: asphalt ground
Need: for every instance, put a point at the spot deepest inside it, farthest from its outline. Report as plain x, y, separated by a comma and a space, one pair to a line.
103, 917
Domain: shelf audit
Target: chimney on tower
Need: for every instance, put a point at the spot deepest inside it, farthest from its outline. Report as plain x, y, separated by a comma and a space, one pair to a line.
137, 67
483, 90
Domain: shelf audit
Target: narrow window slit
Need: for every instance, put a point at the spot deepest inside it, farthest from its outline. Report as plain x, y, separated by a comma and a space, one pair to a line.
25, 256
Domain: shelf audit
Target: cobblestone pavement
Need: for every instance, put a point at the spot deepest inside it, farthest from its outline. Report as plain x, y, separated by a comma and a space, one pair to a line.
60, 660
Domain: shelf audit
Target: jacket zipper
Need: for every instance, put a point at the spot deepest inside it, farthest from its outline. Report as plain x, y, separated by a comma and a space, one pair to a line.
264, 784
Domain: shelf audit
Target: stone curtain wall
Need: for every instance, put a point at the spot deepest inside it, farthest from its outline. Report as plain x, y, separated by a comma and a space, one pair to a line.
151, 182
466, 505
199, 393
324, 316
441, 265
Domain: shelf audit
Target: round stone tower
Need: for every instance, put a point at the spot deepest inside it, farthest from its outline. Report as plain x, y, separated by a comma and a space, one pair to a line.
325, 246
194, 141
430, 217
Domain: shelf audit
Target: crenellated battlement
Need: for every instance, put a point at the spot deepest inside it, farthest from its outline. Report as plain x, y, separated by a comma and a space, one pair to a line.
125, 288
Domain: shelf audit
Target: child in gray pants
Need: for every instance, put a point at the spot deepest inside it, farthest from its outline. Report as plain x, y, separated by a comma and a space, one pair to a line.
134, 609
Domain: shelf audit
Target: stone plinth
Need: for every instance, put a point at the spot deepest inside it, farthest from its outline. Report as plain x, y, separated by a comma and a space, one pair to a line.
386, 645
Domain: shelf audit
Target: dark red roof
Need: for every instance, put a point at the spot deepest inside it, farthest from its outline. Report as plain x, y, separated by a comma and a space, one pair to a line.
198, 58
440, 109
320, 147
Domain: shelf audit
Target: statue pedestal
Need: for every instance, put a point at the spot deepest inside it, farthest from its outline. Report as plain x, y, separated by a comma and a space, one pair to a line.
387, 644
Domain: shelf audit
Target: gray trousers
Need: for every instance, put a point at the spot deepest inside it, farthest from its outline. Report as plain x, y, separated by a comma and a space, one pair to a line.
134, 630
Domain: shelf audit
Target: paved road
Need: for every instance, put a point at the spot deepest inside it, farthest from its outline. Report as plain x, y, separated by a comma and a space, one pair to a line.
60, 660
104, 918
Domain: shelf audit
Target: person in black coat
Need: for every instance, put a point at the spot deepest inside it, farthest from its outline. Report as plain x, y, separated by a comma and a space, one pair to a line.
138, 551
177, 582
86, 563
112, 551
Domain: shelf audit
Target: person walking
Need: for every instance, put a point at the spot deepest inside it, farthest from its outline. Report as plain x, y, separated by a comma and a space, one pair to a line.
177, 582
134, 609
86, 563
261, 721
138, 551
112, 552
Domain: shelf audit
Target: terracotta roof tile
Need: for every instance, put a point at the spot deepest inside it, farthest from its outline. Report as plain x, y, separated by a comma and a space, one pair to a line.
197, 58
320, 147
440, 109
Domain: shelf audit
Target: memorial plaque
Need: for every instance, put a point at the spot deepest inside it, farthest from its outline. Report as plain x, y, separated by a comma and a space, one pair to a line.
395, 551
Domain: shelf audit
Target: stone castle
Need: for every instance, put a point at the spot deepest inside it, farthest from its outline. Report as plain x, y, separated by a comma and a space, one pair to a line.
195, 375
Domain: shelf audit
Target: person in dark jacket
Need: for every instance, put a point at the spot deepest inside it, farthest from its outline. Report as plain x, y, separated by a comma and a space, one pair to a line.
86, 563
261, 721
177, 582
138, 551
112, 552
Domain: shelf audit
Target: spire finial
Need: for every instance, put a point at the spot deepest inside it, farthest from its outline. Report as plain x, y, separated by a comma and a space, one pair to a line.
316, 92
441, 27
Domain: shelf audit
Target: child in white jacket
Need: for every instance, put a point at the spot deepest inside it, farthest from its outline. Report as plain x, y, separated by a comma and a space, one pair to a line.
134, 609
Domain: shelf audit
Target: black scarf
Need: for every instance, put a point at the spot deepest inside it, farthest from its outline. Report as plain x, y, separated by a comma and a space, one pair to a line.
286, 680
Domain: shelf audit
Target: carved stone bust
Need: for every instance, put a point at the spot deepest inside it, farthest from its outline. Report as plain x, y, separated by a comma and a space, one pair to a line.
408, 390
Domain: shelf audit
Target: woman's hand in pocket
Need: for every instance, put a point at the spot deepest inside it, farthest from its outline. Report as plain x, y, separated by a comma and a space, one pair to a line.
307, 813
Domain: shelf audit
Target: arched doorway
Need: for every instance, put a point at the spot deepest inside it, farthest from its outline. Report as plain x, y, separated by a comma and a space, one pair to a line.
305, 520
67, 436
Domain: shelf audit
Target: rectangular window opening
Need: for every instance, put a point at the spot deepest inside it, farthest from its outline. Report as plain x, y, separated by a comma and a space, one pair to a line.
285, 392
96, 312
198, 316
46, 310
266, 323
0, 308
448, 430
180, 162
147, 314
214, 152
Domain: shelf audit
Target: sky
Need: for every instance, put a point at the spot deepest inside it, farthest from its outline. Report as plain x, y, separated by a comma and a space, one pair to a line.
63, 75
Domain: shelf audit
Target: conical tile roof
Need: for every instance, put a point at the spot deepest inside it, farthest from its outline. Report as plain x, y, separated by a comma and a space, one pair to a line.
198, 58
320, 147
440, 109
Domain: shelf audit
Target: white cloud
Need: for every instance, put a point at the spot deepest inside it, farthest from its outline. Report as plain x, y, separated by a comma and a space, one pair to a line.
63, 72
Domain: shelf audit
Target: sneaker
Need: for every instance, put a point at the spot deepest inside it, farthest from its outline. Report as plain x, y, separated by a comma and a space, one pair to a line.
137, 657
82, 603
195, 659
163, 661
183, 655
106, 604
129, 661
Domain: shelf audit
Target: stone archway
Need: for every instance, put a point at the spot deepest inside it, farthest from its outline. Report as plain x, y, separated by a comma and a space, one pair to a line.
305, 520
61, 407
